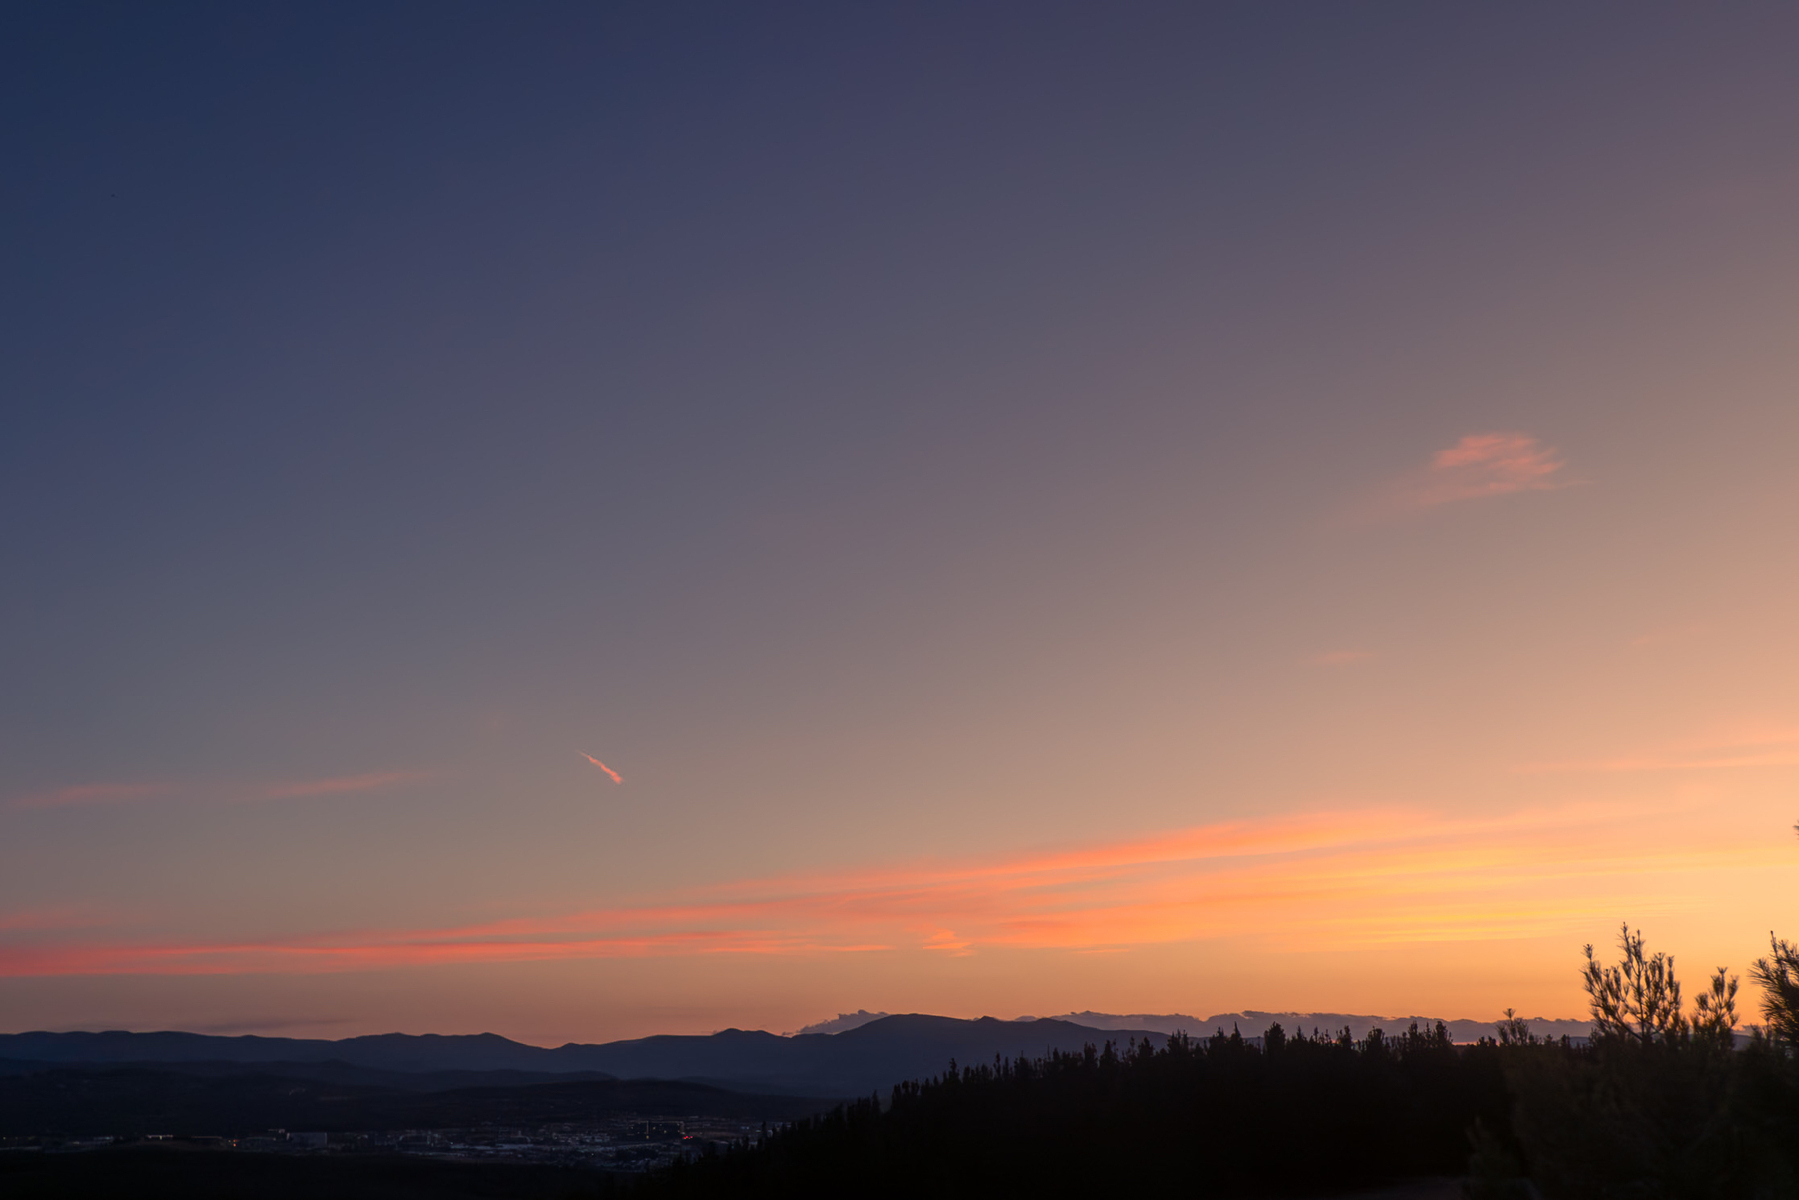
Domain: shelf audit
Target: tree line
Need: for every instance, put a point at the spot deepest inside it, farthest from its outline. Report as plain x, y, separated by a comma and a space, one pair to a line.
1660, 1102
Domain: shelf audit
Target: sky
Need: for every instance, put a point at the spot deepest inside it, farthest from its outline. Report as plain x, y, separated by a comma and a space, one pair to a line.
583, 521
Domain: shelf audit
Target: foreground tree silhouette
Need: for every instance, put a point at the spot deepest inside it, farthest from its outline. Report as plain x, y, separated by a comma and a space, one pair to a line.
1661, 1104
1778, 975
1219, 1117
1639, 999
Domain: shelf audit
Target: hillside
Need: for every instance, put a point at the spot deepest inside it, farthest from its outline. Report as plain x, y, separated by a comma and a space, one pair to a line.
871, 1057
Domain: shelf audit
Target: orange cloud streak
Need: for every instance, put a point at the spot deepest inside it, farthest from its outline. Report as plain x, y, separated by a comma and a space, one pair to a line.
602, 766
1344, 879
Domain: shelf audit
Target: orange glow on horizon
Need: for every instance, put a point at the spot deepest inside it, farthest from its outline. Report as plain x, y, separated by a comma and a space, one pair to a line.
1293, 883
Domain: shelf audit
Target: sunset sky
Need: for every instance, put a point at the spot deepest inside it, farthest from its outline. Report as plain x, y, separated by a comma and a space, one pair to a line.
583, 521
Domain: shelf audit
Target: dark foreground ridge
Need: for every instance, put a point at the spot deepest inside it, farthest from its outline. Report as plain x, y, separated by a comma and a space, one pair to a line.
185, 1173
1221, 1117
1669, 1113
138, 1102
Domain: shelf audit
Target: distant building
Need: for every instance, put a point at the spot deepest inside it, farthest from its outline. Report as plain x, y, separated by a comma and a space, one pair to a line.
656, 1131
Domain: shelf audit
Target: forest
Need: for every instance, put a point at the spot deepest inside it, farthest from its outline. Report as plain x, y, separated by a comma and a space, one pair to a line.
1660, 1102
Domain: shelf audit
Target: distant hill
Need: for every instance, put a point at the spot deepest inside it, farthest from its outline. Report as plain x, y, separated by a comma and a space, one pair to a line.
870, 1057
853, 1055
384, 1052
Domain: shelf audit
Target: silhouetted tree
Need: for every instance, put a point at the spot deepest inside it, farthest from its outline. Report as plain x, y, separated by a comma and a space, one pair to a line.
1778, 975
1639, 998
1659, 1105
1515, 1030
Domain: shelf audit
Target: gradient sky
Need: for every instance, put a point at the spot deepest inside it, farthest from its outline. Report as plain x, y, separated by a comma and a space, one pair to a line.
1133, 507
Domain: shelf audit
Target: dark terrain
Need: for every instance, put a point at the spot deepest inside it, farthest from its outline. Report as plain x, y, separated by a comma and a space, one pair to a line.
183, 1173
133, 1102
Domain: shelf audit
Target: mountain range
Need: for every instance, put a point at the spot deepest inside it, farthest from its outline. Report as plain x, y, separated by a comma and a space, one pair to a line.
1252, 1023
863, 1053
857, 1062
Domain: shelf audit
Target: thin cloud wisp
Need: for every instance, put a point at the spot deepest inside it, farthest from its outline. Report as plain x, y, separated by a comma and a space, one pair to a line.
602, 766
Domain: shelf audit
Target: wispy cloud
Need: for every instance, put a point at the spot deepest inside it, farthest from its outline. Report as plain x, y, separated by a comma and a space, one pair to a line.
602, 766
93, 793
946, 941
1341, 880
1479, 465
341, 784
1490, 464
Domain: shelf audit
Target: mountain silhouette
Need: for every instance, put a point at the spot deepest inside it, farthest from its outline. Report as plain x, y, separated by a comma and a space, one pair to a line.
871, 1057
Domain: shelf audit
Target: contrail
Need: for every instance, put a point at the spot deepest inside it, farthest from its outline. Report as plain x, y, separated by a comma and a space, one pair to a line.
602, 766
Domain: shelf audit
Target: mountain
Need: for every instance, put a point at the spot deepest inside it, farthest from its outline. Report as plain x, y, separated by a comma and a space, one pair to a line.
384, 1052
843, 1022
868, 1052
856, 1062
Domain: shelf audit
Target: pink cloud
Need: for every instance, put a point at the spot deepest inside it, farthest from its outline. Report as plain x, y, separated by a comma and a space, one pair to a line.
342, 784
945, 940
1480, 464
93, 793
602, 766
